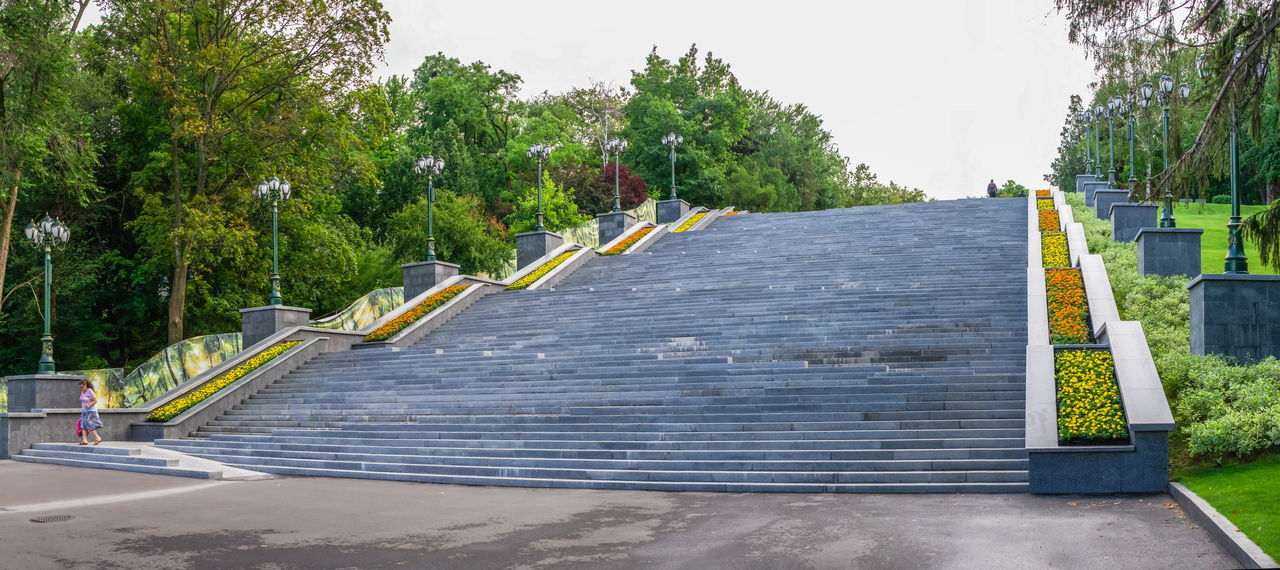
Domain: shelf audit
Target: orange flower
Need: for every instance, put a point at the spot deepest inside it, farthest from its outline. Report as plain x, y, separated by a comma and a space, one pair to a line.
1049, 221
394, 326
627, 243
1068, 306
1042, 193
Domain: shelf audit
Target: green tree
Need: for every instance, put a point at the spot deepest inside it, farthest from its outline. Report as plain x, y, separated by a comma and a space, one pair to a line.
237, 80
464, 233
41, 140
558, 208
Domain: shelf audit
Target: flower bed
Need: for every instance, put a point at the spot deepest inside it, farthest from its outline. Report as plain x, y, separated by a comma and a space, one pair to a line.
394, 326
1049, 221
733, 213
543, 269
1089, 405
689, 223
1053, 249
1042, 194
626, 244
172, 409
1068, 306
1044, 204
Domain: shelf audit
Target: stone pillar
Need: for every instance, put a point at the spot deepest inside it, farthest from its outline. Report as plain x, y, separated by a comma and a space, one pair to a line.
1235, 315
1103, 199
422, 276
258, 323
1169, 251
1090, 188
613, 224
1127, 218
43, 391
671, 210
532, 245
1081, 179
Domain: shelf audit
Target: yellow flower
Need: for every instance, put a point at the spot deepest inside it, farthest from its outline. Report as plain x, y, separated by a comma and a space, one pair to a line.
689, 223
537, 274
174, 407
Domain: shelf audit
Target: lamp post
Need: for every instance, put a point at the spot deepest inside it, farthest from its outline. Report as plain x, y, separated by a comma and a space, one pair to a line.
540, 152
672, 140
44, 235
1131, 110
277, 191
1236, 262
1083, 120
1111, 138
430, 167
616, 146
1166, 91
1097, 138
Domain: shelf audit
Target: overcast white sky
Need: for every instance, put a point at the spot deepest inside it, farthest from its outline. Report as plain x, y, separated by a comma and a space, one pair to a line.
942, 95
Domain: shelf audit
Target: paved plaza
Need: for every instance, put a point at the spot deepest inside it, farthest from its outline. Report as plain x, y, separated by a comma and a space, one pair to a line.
130, 520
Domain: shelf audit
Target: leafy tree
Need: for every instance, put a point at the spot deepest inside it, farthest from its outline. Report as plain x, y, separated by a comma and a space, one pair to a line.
558, 208
41, 140
464, 233
593, 187
236, 80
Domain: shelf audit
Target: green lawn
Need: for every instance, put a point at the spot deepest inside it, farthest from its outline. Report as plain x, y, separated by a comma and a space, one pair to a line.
1247, 495
1213, 218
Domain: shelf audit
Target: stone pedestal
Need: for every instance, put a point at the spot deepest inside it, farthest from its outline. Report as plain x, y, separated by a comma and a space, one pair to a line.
422, 276
1103, 199
1169, 251
1081, 179
257, 323
613, 224
1090, 188
1127, 218
43, 391
1235, 315
671, 210
532, 245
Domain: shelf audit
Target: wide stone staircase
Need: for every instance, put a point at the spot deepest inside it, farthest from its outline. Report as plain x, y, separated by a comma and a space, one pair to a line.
871, 349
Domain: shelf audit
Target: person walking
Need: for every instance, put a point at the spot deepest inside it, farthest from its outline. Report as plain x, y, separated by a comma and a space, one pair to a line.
90, 422
991, 188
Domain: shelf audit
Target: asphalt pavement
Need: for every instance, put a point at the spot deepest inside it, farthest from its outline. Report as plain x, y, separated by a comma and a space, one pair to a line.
136, 521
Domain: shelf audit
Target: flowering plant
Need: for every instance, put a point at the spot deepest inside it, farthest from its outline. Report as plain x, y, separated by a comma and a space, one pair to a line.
543, 269
1042, 193
1044, 204
1053, 249
626, 244
394, 326
1089, 405
1049, 221
689, 223
1068, 306
733, 213
174, 407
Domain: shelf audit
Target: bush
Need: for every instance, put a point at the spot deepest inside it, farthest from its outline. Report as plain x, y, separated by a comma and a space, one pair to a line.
1221, 408
1220, 199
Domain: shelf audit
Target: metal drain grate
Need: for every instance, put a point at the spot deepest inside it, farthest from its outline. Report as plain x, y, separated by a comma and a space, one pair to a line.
52, 518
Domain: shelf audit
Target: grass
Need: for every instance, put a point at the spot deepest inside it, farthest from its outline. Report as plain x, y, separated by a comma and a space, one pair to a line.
1246, 494
1213, 218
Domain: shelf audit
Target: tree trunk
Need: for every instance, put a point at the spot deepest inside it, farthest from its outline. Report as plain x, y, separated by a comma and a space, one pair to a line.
178, 282
6, 228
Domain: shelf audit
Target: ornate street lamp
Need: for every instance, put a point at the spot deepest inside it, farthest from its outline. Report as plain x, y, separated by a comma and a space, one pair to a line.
1099, 113
615, 147
1144, 101
277, 191
1126, 113
1236, 262
1111, 137
1082, 119
430, 167
672, 140
540, 152
1166, 91
44, 235
1088, 141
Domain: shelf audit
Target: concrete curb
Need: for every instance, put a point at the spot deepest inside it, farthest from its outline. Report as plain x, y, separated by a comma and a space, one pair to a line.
1223, 532
559, 272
